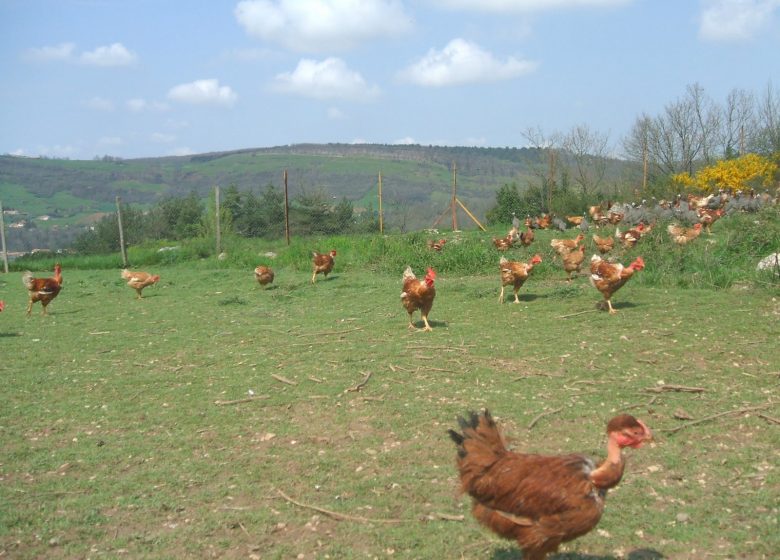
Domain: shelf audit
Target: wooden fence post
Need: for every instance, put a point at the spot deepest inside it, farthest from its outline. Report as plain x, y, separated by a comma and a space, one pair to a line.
2, 239
381, 217
286, 211
217, 224
122, 248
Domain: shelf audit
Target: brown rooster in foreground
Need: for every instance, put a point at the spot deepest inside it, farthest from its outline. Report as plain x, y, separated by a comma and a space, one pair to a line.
264, 275
515, 274
139, 280
323, 263
541, 501
608, 277
42, 289
418, 294
681, 235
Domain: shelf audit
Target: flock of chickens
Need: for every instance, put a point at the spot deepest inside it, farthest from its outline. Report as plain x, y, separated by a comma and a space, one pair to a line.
539, 501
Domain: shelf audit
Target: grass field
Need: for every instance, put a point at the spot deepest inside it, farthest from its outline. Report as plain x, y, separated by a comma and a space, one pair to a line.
128, 429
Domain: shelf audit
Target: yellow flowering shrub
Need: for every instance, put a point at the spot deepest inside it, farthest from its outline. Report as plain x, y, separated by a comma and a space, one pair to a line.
733, 174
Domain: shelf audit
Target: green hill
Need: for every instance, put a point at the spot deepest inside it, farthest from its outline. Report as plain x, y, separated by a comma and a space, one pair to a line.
69, 190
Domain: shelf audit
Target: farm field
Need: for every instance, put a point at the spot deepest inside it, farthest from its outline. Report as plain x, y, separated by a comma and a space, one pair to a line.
215, 418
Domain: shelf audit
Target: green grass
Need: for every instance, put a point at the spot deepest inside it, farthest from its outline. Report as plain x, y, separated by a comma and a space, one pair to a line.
114, 444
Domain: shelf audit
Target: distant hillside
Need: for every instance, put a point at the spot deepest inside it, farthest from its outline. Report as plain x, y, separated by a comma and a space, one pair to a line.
417, 180
71, 190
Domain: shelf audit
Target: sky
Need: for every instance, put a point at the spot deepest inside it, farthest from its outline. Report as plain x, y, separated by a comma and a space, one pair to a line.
147, 78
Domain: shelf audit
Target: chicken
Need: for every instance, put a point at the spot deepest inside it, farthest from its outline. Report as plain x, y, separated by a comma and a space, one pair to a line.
527, 236
603, 244
575, 220
264, 275
323, 263
615, 218
515, 274
418, 294
708, 217
503, 243
631, 236
681, 235
42, 289
2, 305
540, 501
139, 280
608, 277
573, 261
563, 246
436, 245
545, 221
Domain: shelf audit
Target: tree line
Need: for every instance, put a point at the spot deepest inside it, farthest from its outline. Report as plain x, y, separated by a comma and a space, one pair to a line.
241, 213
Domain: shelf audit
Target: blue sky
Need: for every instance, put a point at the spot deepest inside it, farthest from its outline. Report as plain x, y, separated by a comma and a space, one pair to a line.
137, 78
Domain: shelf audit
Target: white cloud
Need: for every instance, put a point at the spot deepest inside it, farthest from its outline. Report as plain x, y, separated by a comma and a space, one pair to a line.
110, 141
322, 25
526, 6
162, 138
181, 151
735, 20
405, 141
202, 92
335, 114
329, 79
111, 55
63, 51
463, 62
100, 104
138, 105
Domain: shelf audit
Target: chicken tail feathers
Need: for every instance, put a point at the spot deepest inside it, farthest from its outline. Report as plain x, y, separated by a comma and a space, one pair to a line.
27, 280
480, 436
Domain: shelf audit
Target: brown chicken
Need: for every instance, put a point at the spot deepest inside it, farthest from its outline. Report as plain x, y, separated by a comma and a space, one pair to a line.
527, 236
708, 217
515, 274
323, 263
573, 261
503, 243
436, 245
418, 294
608, 277
540, 501
630, 237
563, 246
139, 280
264, 275
681, 235
42, 289
603, 244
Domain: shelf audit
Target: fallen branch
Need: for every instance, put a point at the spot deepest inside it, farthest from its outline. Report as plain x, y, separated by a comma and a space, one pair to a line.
360, 385
674, 388
330, 332
648, 403
448, 516
239, 401
336, 515
714, 416
542, 415
283, 379
578, 313
769, 418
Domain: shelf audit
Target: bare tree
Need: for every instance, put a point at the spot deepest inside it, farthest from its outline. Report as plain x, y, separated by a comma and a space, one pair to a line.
738, 123
588, 149
707, 119
768, 115
548, 171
